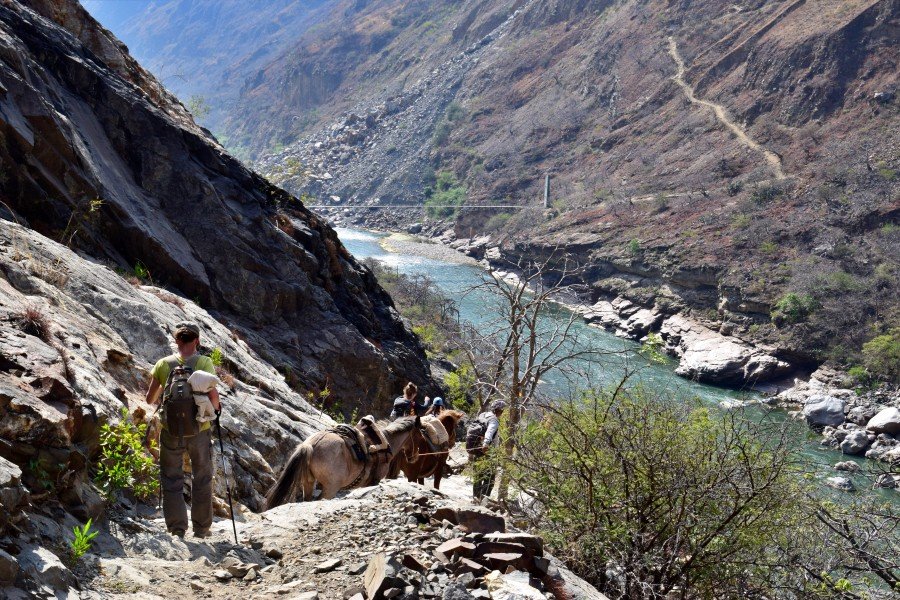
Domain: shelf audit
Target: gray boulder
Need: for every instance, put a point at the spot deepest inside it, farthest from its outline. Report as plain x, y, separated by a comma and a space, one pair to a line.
840, 483
45, 568
855, 443
821, 411
886, 421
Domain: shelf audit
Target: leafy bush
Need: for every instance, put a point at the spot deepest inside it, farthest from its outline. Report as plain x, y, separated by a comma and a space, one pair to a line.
740, 221
735, 187
442, 200
634, 247
124, 463
642, 496
882, 355
765, 193
459, 384
496, 222
217, 356
82, 541
794, 308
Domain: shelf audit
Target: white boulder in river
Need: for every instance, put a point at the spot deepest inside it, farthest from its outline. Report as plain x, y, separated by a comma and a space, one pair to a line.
886, 421
822, 411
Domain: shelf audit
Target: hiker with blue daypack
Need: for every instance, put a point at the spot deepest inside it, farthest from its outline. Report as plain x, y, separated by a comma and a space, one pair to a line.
183, 432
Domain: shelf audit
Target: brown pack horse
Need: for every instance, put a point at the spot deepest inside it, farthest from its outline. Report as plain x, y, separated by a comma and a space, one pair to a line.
422, 461
325, 459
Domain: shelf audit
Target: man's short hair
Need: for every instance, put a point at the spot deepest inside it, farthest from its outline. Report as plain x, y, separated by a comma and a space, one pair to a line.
187, 330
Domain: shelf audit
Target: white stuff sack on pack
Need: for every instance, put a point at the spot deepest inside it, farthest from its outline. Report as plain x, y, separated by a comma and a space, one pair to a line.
437, 433
201, 384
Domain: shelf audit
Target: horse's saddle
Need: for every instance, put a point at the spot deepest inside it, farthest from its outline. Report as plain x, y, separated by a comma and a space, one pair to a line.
360, 439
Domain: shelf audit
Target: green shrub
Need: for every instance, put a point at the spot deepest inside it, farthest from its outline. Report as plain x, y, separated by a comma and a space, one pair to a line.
768, 247
217, 356
82, 541
740, 221
442, 200
861, 376
624, 484
455, 112
459, 384
881, 356
735, 187
496, 222
765, 193
634, 247
124, 464
794, 308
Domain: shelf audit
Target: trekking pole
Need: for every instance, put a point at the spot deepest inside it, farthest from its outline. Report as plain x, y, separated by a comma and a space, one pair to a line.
225, 474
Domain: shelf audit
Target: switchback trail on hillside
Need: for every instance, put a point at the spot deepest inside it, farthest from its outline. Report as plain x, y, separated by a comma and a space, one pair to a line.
721, 114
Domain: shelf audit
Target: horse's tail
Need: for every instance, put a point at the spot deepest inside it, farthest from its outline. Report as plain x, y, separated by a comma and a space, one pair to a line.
293, 472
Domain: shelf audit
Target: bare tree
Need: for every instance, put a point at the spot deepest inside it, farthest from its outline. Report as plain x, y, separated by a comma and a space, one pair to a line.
513, 352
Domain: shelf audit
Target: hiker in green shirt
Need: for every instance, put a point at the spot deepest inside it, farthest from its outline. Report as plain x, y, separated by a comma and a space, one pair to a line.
197, 443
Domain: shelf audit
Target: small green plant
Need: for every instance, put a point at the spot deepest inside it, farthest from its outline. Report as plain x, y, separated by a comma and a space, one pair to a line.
81, 544
36, 467
740, 221
652, 349
634, 247
447, 194
861, 377
765, 193
794, 308
141, 271
660, 203
124, 464
217, 356
881, 355
735, 187
198, 107
889, 228
768, 247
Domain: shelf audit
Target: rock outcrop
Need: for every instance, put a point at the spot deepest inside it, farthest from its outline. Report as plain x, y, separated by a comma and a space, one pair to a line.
98, 156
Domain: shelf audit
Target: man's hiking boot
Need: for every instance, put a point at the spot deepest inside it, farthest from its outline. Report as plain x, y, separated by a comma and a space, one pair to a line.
177, 532
202, 533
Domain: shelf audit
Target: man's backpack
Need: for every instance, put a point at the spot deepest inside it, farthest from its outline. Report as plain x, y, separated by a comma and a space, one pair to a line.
475, 435
178, 399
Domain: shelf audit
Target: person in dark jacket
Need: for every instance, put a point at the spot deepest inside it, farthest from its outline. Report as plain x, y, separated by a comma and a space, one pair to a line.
407, 404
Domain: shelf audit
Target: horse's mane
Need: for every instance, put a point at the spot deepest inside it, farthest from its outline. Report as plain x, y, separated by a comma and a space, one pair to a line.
401, 425
451, 415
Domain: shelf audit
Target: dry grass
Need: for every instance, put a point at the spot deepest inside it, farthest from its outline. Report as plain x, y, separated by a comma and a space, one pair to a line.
51, 272
225, 376
283, 222
164, 295
33, 322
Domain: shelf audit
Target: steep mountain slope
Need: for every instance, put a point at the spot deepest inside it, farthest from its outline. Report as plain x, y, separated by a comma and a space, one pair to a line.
707, 158
97, 155
206, 48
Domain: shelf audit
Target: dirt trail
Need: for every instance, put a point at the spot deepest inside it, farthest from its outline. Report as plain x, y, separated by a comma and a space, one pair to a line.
721, 114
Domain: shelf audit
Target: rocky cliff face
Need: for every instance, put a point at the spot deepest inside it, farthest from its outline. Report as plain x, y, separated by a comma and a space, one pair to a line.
706, 158
97, 155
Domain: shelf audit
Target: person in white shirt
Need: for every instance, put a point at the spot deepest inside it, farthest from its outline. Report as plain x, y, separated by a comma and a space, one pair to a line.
484, 472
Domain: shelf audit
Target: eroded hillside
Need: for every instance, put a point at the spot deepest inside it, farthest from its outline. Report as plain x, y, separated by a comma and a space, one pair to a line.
706, 158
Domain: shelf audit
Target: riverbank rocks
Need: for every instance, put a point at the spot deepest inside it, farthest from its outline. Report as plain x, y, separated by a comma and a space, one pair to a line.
710, 357
886, 421
840, 483
822, 411
856, 442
